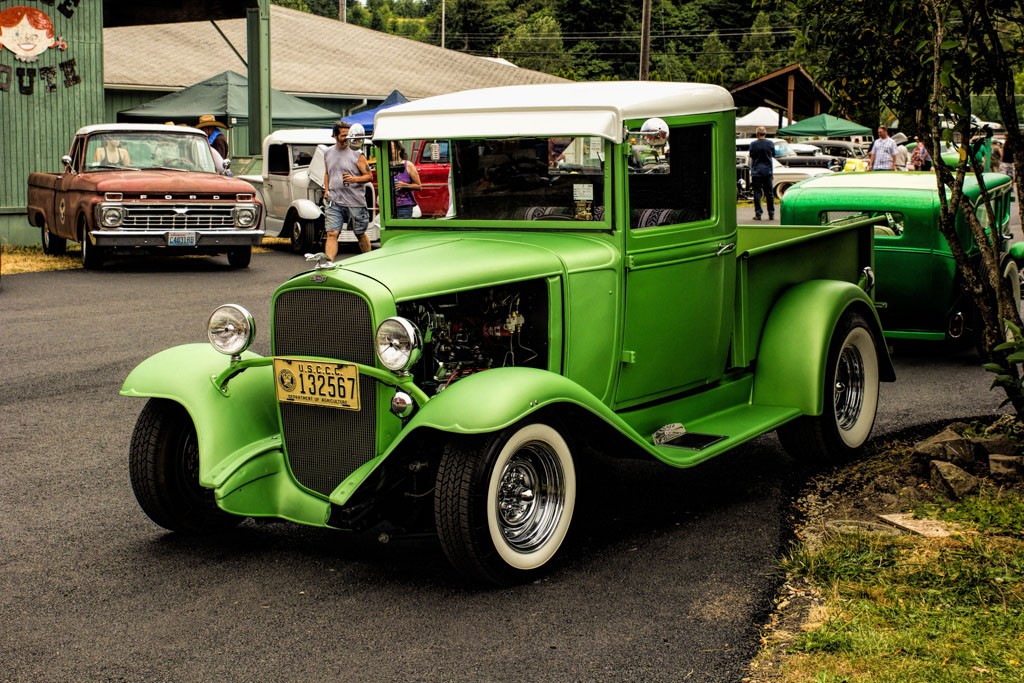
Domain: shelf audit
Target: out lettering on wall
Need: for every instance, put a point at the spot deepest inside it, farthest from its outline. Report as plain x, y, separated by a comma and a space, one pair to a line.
28, 33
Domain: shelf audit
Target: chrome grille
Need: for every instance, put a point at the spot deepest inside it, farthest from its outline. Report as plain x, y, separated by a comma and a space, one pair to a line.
178, 216
325, 445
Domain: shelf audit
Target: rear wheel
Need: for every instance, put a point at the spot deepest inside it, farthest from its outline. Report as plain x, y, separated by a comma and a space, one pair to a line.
240, 257
503, 505
164, 465
52, 245
851, 397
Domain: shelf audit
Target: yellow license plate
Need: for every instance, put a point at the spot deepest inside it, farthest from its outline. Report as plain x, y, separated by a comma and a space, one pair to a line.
329, 385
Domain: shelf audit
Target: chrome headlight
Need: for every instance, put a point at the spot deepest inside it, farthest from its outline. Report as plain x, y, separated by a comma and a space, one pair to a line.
231, 329
398, 344
111, 216
245, 216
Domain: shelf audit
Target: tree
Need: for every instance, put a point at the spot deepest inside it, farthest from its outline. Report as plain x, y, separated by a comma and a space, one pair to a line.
712, 64
928, 64
299, 5
969, 54
535, 44
756, 51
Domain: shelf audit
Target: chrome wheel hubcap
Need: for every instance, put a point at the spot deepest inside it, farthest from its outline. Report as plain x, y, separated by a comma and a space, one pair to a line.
850, 385
531, 497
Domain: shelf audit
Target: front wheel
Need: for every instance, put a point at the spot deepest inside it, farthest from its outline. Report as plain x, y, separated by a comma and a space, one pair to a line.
503, 505
164, 465
240, 257
92, 255
851, 397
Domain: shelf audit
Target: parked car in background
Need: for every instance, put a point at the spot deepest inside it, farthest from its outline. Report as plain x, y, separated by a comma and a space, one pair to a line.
291, 186
788, 155
846, 149
852, 155
128, 188
783, 177
919, 292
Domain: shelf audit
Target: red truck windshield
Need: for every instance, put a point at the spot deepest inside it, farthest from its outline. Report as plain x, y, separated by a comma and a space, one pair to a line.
147, 150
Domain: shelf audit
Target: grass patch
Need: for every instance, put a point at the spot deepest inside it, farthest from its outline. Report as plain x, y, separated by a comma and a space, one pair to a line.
31, 259
894, 609
26, 259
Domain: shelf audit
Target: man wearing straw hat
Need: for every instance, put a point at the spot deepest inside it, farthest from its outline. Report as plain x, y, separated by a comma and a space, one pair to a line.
215, 131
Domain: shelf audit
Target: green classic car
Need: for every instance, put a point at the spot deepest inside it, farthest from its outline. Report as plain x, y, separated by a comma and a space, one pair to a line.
587, 291
919, 293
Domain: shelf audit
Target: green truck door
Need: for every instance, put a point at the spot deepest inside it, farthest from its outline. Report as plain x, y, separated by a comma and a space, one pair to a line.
680, 274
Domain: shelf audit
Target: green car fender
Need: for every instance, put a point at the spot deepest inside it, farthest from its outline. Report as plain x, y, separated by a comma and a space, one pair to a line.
232, 426
794, 346
490, 401
1017, 253
483, 403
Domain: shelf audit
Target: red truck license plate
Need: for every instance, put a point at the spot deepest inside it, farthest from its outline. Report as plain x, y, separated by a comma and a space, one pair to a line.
181, 238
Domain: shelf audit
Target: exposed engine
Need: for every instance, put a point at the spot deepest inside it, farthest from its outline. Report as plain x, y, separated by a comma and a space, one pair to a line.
469, 332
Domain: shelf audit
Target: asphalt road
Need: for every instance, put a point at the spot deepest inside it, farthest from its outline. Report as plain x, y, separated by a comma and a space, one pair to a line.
666, 575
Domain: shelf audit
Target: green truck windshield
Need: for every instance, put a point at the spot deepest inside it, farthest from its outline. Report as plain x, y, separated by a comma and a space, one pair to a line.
506, 179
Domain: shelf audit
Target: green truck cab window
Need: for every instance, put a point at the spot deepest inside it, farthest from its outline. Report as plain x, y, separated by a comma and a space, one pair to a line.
667, 188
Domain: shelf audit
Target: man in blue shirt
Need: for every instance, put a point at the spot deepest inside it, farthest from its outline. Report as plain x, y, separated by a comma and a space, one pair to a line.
762, 154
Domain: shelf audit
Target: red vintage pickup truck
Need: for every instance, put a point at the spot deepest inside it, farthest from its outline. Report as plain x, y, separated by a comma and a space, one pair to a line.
128, 188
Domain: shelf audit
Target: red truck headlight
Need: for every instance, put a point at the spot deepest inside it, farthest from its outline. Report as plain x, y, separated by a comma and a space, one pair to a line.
245, 216
111, 216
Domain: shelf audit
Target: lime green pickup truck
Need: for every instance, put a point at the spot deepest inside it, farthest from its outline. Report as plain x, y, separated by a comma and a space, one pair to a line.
586, 291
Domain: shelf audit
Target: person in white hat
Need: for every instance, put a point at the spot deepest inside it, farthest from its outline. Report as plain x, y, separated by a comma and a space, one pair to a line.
901, 159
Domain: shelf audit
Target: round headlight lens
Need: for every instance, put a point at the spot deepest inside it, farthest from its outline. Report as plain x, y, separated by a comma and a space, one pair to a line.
246, 216
398, 344
112, 216
231, 329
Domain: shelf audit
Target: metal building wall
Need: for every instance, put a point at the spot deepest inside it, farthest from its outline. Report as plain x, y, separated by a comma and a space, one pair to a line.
43, 103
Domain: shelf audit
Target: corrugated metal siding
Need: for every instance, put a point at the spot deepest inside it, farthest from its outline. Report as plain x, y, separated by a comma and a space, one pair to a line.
36, 126
119, 100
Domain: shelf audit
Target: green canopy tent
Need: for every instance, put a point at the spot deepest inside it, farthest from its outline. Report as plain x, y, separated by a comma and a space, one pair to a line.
824, 125
226, 96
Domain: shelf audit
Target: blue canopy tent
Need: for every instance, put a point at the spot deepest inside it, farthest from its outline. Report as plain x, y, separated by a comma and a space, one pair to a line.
365, 118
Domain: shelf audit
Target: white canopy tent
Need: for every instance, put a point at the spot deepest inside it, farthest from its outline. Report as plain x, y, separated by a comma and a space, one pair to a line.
762, 116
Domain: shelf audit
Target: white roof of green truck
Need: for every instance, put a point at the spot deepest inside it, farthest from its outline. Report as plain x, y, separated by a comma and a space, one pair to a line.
888, 180
558, 109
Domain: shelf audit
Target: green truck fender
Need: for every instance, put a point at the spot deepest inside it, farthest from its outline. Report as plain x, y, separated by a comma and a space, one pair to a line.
490, 401
233, 426
794, 346
484, 403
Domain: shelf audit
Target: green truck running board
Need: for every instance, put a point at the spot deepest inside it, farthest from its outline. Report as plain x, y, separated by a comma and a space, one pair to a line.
736, 425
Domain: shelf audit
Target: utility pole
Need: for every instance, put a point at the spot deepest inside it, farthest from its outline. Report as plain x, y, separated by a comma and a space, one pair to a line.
442, 23
343, 11
645, 42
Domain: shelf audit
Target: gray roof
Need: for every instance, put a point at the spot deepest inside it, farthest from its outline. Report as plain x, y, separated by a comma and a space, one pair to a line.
309, 56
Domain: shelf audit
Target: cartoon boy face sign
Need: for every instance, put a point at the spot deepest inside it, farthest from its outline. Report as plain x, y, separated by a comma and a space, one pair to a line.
27, 32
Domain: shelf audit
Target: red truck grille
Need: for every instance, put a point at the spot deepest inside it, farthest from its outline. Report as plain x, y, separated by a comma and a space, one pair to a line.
176, 216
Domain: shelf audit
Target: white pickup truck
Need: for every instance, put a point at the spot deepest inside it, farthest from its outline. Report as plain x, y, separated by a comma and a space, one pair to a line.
292, 187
